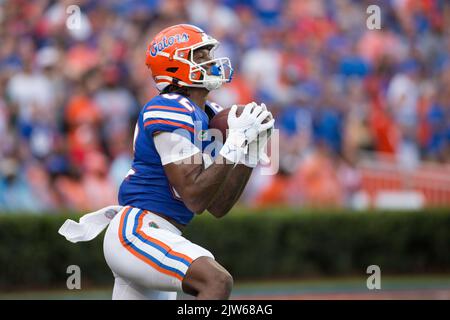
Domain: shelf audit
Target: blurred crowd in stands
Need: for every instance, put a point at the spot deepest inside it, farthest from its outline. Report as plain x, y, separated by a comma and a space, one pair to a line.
69, 97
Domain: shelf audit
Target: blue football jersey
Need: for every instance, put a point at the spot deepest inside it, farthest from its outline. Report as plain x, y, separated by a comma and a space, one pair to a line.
146, 185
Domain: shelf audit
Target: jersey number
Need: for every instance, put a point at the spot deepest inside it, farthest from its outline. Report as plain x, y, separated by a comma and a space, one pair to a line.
182, 100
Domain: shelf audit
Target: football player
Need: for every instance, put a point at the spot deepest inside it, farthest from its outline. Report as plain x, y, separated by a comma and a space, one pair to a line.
172, 178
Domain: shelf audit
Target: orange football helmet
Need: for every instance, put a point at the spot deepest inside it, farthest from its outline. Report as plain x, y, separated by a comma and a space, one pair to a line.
170, 58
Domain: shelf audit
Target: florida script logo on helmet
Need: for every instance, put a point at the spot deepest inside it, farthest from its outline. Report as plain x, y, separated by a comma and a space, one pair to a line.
167, 42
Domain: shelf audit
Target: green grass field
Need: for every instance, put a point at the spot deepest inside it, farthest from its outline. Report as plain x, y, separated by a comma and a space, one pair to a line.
410, 287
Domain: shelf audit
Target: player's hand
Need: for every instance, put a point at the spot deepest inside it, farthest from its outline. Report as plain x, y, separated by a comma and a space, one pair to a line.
270, 117
244, 129
256, 149
250, 122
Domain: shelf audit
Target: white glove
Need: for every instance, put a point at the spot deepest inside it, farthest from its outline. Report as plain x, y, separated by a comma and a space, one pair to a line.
256, 152
256, 149
243, 130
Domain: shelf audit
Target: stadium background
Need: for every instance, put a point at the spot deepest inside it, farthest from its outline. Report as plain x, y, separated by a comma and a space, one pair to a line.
364, 119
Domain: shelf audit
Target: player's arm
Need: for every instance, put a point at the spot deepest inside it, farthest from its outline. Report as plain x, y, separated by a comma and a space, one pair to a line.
231, 191
198, 184
233, 187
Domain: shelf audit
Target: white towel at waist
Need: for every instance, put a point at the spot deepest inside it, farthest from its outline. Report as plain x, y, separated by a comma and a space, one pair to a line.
90, 225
